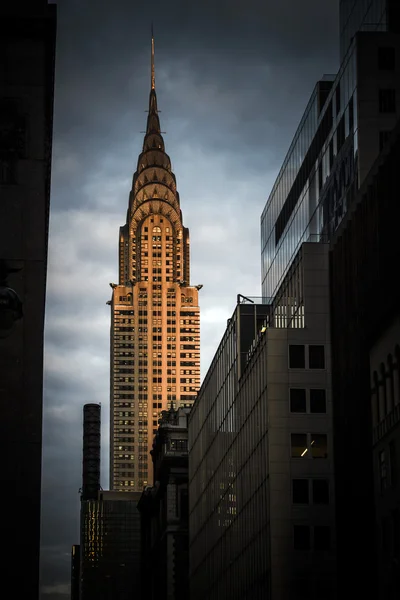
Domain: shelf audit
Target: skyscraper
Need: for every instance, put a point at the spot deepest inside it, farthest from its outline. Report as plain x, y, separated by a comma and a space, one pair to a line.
155, 328
27, 55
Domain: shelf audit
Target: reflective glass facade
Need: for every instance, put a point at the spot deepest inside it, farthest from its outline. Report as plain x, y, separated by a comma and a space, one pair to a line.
338, 139
360, 15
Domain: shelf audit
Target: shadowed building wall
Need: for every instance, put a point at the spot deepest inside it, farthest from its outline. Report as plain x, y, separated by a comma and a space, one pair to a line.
261, 487
164, 512
27, 53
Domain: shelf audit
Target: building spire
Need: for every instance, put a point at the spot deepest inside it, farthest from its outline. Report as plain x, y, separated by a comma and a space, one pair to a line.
153, 123
153, 73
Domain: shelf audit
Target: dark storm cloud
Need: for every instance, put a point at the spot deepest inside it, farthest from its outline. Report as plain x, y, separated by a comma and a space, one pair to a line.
233, 79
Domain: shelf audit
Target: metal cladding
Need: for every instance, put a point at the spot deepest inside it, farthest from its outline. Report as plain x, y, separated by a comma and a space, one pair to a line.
91, 451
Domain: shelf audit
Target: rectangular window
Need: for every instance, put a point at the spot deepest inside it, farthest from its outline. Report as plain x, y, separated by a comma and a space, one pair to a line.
387, 101
316, 357
299, 445
301, 537
317, 401
322, 537
298, 400
320, 491
297, 359
319, 445
386, 58
300, 491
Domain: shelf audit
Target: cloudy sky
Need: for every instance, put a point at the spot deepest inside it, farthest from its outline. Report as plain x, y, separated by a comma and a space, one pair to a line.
233, 78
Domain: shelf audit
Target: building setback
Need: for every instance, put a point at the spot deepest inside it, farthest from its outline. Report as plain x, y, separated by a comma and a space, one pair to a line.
261, 487
346, 124
27, 53
155, 328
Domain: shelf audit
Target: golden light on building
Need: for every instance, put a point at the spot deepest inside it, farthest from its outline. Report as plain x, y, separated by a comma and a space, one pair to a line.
155, 318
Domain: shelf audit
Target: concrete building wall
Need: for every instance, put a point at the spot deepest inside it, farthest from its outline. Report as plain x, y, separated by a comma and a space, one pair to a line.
251, 534
27, 54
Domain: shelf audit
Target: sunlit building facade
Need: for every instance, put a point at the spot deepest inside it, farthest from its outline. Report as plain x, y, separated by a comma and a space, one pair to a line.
155, 320
261, 487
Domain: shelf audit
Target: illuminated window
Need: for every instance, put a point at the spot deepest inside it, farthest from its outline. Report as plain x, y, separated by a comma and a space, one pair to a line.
299, 445
319, 445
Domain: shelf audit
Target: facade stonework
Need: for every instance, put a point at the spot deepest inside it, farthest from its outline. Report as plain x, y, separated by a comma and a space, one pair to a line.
155, 326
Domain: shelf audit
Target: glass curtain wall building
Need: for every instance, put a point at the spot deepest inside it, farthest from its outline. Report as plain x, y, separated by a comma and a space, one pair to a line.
366, 15
346, 123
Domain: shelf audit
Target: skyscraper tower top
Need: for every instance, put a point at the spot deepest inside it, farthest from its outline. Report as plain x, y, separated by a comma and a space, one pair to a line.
155, 329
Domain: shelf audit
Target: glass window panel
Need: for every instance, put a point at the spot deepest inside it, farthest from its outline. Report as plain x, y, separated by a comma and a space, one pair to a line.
296, 356
299, 445
297, 400
322, 537
317, 401
320, 490
316, 357
319, 445
300, 491
301, 537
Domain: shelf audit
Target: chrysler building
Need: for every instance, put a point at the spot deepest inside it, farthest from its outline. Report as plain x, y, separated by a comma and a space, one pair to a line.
155, 317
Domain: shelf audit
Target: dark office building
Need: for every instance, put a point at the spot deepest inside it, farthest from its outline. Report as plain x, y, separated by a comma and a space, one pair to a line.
164, 512
110, 547
327, 177
109, 527
365, 302
385, 397
261, 486
347, 122
27, 52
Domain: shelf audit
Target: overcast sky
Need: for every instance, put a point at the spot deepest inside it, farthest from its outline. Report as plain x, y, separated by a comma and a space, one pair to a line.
232, 78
